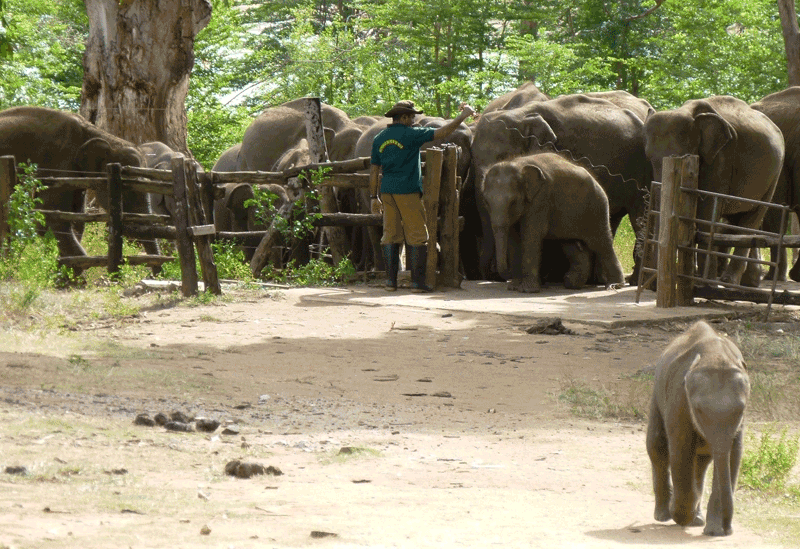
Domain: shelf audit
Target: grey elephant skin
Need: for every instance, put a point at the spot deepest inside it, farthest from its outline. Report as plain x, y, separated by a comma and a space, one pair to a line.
228, 161
741, 154
280, 128
696, 418
158, 155
606, 138
541, 196
66, 144
524, 94
783, 108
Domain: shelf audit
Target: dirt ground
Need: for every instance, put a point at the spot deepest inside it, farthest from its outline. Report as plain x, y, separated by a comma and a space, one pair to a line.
392, 426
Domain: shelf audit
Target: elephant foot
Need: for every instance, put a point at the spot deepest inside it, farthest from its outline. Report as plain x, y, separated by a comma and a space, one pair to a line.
662, 514
698, 520
714, 528
530, 286
513, 285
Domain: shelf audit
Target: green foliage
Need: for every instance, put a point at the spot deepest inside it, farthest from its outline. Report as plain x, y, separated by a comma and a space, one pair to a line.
230, 262
25, 257
316, 272
768, 461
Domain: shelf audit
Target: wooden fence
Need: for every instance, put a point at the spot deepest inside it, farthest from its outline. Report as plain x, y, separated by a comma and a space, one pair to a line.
672, 212
192, 221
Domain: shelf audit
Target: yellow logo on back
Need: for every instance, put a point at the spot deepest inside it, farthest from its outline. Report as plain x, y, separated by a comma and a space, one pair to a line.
390, 142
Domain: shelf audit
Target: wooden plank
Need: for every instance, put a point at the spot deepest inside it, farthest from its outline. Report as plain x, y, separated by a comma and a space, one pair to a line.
73, 183
183, 241
114, 217
74, 216
147, 173
431, 187
8, 180
87, 261
202, 230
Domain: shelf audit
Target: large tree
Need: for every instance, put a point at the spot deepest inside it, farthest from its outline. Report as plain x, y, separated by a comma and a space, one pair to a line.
137, 64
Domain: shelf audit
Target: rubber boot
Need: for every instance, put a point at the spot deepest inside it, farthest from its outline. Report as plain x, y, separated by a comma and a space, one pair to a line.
391, 256
419, 264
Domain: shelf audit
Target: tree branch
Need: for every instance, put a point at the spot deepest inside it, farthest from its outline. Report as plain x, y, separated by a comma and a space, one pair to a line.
646, 13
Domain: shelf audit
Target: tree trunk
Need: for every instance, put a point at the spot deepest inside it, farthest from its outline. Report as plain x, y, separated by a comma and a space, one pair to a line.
791, 39
137, 64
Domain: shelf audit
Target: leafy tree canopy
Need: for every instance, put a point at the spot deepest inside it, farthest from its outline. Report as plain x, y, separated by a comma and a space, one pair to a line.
363, 55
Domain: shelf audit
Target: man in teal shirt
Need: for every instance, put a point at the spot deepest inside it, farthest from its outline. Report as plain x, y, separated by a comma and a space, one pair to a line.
395, 163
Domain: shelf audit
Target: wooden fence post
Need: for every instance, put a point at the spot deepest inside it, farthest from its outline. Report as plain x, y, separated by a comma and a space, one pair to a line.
337, 238
450, 233
430, 197
689, 170
183, 241
674, 171
114, 173
201, 232
8, 180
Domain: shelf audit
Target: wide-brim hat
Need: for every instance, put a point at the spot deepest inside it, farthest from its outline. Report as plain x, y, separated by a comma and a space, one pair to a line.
402, 107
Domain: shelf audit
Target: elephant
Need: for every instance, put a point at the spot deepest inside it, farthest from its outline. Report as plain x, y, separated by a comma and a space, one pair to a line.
783, 108
63, 143
607, 139
530, 198
523, 95
697, 416
741, 154
228, 161
231, 214
271, 134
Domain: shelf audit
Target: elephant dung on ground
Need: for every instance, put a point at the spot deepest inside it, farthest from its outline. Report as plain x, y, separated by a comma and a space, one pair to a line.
540, 196
741, 154
783, 108
61, 144
696, 418
606, 138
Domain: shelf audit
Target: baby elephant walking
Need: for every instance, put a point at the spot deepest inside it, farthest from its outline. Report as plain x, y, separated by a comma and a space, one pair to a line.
696, 417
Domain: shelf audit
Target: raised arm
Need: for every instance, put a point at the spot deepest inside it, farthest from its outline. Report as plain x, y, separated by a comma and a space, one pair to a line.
450, 127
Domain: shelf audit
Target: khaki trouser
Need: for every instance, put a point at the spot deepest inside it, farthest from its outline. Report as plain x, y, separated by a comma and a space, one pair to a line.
404, 219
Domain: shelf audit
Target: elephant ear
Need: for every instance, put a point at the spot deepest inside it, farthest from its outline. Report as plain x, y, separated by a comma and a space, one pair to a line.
534, 125
715, 133
92, 155
533, 178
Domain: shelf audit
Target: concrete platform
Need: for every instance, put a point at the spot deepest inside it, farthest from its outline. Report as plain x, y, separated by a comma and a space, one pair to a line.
594, 306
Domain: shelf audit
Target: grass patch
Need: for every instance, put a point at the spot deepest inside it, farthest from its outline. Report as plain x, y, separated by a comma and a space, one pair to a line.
624, 242
628, 399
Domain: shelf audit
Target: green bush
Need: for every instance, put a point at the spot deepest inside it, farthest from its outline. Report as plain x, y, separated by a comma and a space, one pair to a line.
768, 460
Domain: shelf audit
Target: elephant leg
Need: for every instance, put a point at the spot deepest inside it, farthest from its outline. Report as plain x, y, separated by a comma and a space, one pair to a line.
658, 450
753, 274
782, 263
701, 464
580, 264
736, 267
532, 233
683, 459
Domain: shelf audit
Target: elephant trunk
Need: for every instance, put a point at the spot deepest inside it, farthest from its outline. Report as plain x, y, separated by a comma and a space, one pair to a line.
501, 251
722, 474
